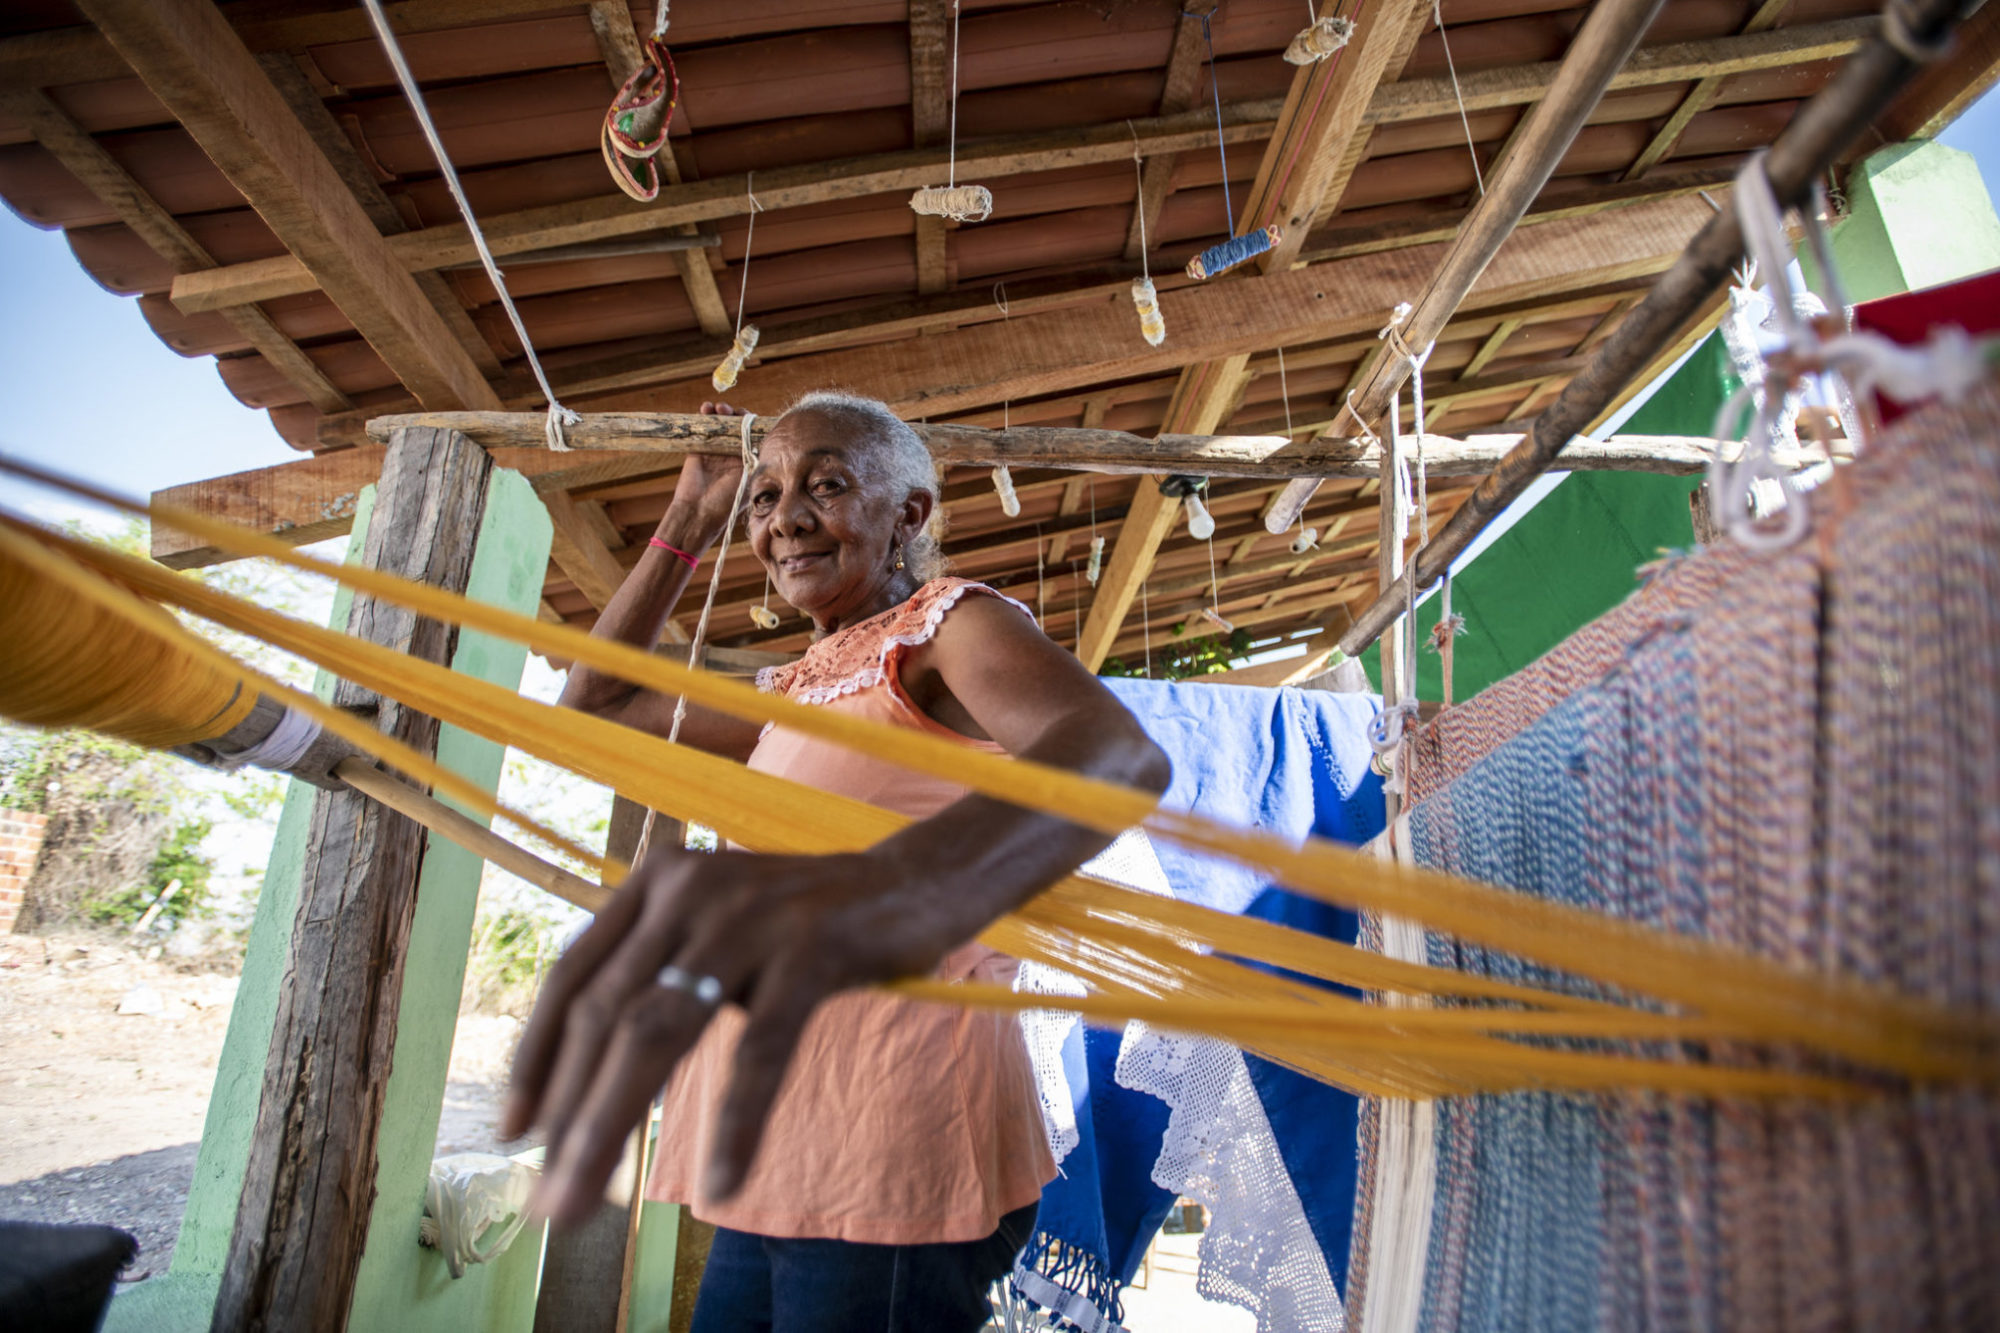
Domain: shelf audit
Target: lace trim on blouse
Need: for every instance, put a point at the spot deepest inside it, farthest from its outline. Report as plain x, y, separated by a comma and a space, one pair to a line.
855, 659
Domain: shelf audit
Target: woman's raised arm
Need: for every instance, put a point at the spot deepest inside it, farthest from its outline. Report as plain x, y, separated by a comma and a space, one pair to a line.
637, 613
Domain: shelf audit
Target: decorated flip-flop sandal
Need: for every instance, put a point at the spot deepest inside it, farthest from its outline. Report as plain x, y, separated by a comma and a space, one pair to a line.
635, 126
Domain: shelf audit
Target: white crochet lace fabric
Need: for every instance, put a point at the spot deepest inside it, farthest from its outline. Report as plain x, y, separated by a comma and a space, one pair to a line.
1259, 1251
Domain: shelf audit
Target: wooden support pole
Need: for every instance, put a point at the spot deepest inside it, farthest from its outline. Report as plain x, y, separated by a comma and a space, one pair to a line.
930, 123
1603, 44
309, 1185
1824, 127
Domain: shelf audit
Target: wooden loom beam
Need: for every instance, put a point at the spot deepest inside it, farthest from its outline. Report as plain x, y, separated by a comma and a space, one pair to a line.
1840, 113
1601, 47
194, 62
309, 1184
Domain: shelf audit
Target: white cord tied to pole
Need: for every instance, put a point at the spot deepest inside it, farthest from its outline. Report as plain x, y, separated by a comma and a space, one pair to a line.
284, 747
660, 19
559, 416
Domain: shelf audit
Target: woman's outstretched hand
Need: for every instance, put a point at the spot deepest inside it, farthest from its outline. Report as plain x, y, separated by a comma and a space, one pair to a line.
778, 934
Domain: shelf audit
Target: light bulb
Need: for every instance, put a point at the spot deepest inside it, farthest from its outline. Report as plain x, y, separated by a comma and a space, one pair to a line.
1201, 523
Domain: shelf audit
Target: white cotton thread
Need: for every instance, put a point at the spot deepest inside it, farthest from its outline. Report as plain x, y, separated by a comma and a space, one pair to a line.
282, 749
559, 416
1478, 178
960, 203
724, 376
1145, 299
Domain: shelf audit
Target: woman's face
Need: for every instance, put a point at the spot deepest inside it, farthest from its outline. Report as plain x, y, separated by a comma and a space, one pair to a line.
825, 524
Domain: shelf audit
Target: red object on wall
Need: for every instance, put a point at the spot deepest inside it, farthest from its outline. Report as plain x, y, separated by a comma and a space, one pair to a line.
1973, 304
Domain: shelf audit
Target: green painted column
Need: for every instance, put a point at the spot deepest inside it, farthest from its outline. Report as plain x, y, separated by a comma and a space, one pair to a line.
401, 1285
1919, 214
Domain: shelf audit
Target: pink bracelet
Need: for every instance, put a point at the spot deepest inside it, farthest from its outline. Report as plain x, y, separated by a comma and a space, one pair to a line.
675, 550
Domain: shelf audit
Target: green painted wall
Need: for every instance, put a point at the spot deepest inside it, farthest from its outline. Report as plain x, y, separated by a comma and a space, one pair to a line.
1918, 214
401, 1285
1573, 556
653, 1269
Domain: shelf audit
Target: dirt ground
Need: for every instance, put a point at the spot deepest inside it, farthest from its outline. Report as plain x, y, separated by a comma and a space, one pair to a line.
102, 1110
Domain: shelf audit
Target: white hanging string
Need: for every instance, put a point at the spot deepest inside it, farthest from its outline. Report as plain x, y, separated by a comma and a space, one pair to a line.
1146, 626
699, 639
749, 240
1437, 13
559, 416
1145, 299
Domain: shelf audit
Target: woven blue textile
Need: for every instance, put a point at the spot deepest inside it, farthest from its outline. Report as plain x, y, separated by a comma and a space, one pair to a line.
1289, 761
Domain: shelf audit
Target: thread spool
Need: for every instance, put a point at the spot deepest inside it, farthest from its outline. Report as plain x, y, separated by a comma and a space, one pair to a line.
1096, 565
1220, 258
1003, 482
1214, 617
960, 203
725, 374
1307, 540
1321, 40
763, 617
1152, 324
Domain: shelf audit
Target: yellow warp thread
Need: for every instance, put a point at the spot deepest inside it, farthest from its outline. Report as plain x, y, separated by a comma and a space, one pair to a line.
1055, 928
147, 625
84, 666
1837, 1013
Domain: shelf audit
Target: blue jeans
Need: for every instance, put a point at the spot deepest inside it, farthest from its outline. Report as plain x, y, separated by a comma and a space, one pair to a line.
762, 1284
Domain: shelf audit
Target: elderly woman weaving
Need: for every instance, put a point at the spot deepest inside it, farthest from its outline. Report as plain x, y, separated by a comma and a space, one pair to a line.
902, 1144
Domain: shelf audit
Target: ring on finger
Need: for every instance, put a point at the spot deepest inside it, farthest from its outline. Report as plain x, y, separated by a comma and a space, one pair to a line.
707, 991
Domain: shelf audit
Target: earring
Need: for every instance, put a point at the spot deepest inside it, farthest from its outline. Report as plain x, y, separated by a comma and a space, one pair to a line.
899, 555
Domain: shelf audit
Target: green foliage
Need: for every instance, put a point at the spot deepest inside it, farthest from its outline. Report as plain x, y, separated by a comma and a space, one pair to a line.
1179, 658
47, 771
179, 858
511, 948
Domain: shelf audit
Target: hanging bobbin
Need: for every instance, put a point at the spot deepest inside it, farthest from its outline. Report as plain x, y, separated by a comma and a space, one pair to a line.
960, 203
1319, 40
725, 374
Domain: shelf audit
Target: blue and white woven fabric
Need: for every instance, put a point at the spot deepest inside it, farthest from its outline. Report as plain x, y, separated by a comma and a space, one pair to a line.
1798, 755
1140, 1117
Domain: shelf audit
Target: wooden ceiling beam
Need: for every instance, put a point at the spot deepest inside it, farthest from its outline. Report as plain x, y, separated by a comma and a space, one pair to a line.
306, 103
690, 202
618, 42
606, 216
1074, 349
1709, 83
100, 173
1324, 122
1600, 48
930, 124
1182, 91
1207, 393
198, 67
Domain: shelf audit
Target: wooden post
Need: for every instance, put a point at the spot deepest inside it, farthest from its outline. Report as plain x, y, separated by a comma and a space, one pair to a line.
309, 1185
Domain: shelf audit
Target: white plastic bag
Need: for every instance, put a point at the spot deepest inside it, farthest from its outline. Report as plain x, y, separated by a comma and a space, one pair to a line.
474, 1205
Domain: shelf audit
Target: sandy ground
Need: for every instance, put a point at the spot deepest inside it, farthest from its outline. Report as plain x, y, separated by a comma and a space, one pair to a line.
102, 1111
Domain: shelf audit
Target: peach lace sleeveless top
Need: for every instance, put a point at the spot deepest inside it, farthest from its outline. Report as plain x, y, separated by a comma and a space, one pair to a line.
899, 1123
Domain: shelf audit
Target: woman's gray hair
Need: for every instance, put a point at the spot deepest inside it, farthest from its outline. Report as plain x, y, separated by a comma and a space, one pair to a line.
897, 457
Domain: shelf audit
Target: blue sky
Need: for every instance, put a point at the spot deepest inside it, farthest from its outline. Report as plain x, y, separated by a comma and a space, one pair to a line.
89, 389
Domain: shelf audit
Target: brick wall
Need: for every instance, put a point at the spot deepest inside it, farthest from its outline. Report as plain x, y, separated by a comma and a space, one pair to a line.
20, 844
